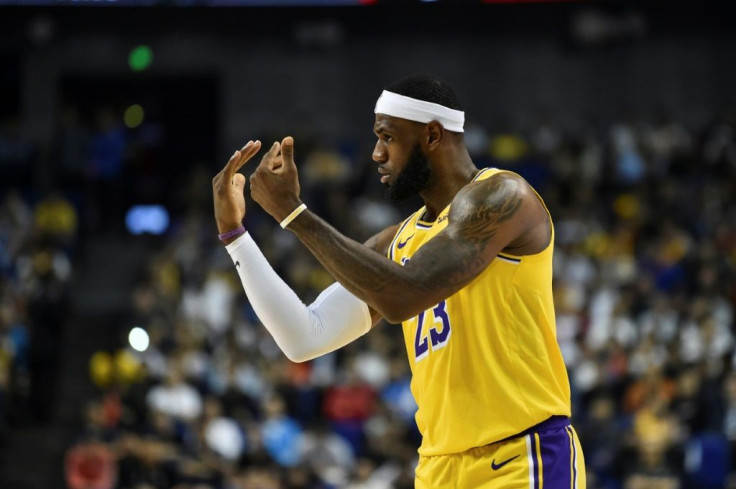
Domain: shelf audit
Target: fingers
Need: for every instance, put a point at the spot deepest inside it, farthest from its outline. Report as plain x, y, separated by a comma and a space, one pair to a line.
240, 157
277, 165
278, 158
287, 152
239, 182
221, 181
269, 160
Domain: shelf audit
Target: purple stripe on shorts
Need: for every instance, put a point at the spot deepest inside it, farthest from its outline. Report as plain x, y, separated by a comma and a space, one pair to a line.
553, 423
555, 448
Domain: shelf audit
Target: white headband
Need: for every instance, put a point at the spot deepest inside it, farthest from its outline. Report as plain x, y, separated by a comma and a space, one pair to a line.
396, 105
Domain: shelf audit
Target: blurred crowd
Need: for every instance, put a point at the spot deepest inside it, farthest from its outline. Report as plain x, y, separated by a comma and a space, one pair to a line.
645, 288
37, 242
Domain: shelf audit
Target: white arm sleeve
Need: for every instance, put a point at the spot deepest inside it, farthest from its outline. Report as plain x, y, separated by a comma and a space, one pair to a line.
302, 332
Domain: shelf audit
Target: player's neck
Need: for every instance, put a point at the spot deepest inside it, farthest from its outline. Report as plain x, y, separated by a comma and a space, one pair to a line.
447, 180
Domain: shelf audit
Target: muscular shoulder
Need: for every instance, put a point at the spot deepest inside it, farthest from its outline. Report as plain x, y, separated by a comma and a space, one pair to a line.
503, 205
497, 198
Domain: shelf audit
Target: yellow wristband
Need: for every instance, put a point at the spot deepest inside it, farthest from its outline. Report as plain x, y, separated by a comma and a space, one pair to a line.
293, 215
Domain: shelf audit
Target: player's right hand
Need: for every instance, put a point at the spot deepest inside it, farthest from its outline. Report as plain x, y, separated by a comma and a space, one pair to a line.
227, 189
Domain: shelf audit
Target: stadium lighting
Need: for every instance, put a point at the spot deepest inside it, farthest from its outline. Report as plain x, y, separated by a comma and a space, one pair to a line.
133, 116
140, 58
152, 219
138, 339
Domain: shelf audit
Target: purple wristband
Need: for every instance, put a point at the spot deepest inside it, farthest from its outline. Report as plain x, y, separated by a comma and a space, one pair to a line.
231, 234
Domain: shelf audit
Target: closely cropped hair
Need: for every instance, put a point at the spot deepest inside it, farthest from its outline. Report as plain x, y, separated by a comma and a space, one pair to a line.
427, 88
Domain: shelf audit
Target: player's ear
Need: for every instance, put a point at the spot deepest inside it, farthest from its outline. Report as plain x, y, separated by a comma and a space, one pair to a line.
434, 132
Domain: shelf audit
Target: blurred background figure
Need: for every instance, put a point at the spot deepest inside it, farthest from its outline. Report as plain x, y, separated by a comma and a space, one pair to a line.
129, 357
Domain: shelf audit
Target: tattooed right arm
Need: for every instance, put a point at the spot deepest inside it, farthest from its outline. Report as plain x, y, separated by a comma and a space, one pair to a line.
486, 217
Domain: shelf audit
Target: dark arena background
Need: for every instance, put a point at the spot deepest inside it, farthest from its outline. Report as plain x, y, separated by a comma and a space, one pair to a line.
129, 357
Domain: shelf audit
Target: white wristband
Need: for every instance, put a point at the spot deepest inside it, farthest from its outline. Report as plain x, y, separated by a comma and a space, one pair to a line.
293, 215
302, 332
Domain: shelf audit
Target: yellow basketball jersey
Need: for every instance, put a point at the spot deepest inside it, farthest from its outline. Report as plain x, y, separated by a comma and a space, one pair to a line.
485, 361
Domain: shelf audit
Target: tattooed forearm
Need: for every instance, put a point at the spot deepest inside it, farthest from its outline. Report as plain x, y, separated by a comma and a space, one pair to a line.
477, 230
342, 257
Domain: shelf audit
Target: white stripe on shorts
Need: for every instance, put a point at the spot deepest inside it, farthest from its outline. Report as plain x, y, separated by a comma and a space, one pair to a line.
574, 474
530, 459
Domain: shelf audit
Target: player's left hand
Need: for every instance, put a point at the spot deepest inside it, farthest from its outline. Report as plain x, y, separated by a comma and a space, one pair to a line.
275, 183
227, 189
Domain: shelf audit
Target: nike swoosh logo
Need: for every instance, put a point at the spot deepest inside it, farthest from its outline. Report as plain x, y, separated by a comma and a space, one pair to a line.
237, 264
496, 466
401, 245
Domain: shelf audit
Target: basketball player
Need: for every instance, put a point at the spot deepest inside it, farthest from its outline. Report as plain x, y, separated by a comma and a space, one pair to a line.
468, 275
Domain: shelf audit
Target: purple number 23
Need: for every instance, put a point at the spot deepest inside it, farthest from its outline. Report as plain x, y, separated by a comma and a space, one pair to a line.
439, 331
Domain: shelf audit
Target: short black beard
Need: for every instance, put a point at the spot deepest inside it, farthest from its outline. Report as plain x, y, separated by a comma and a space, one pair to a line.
413, 178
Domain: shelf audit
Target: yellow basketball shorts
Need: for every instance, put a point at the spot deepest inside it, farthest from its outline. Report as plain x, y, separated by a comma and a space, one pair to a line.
548, 456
